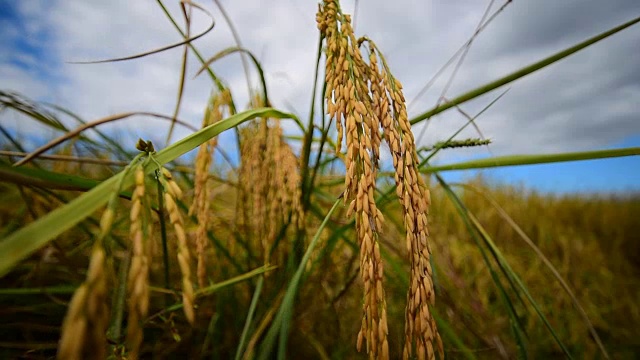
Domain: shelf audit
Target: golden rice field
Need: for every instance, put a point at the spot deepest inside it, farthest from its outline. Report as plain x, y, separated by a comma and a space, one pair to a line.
306, 248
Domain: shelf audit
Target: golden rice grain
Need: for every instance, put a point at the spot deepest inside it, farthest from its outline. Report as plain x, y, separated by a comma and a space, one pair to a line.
184, 258
85, 325
348, 99
200, 205
363, 99
138, 279
269, 183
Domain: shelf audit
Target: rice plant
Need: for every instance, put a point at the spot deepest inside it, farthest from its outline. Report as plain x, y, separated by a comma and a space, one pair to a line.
304, 249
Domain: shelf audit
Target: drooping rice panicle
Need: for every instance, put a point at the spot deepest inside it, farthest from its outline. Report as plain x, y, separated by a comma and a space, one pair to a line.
138, 278
269, 181
421, 331
171, 193
200, 205
85, 325
348, 100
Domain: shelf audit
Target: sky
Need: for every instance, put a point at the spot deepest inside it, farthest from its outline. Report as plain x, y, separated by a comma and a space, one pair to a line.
589, 101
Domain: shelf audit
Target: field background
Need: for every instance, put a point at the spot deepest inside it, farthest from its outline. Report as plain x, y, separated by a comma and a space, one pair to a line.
524, 267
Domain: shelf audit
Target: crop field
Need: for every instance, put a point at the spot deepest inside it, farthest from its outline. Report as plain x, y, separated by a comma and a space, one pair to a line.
340, 239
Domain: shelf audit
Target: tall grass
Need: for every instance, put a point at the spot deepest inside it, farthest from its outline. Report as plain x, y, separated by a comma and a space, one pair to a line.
284, 255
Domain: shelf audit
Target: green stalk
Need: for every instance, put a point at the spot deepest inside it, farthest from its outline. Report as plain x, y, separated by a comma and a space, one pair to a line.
25, 241
513, 315
520, 73
247, 324
282, 321
516, 160
115, 331
308, 136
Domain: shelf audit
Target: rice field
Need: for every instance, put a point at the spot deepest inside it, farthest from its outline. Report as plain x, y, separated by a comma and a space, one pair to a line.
307, 247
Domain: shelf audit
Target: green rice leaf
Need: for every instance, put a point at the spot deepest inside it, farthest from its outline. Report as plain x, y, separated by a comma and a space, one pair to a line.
520, 73
25, 241
516, 160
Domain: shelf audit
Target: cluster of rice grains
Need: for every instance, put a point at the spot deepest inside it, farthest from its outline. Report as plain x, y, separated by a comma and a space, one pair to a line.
200, 206
369, 100
85, 325
84, 331
138, 279
269, 183
172, 193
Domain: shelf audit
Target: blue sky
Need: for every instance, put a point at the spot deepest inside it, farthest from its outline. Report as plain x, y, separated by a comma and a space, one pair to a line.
587, 102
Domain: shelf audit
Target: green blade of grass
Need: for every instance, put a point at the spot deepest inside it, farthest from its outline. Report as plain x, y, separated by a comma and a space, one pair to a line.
234, 49
27, 107
218, 286
247, 324
546, 261
308, 135
50, 290
513, 315
504, 265
515, 160
503, 262
520, 73
25, 241
43, 178
282, 321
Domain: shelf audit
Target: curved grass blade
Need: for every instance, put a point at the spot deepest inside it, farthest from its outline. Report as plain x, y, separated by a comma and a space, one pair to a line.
216, 287
212, 75
236, 38
164, 48
247, 324
515, 160
520, 73
546, 261
234, 49
77, 131
183, 72
25, 241
471, 220
517, 327
509, 271
43, 178
41, 112
22, 105
11, 139
115, 146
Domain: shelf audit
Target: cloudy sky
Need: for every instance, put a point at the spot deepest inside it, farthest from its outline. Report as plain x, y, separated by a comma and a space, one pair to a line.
588, 101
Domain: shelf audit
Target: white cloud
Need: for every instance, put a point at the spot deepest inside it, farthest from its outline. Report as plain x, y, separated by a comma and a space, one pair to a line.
583, 102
